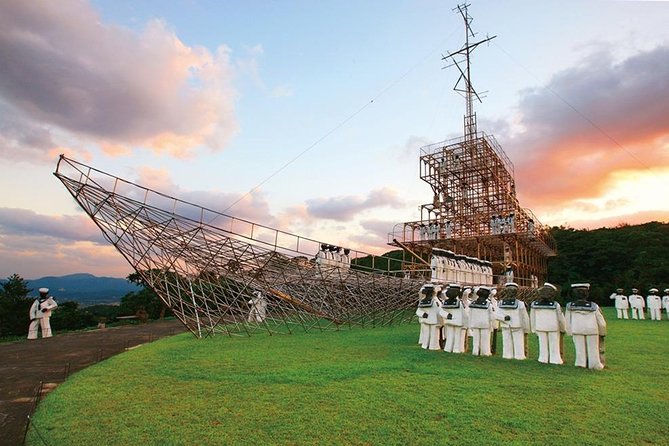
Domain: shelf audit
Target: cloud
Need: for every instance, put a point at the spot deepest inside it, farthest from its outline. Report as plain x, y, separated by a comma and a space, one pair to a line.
346, 207
65, 74
32, 244
22, 222
638, 218
591, 120
410, 150
252, 206
33, 257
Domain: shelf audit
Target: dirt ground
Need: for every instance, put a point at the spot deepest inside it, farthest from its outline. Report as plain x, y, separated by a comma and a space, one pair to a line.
24, 364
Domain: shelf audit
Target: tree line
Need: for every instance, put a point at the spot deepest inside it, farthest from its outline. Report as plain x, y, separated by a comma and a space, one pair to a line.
627, 256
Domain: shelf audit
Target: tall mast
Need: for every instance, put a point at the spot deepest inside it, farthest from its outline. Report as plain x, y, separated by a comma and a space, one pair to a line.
467, 90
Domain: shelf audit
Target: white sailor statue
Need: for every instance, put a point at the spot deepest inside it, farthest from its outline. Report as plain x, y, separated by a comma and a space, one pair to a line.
548, 323
480, 322
40, 313
665, 301
454, 313
654, 304
514, 322
622, 303
322, 256
258, 305
586, 325
428, 316
637, 304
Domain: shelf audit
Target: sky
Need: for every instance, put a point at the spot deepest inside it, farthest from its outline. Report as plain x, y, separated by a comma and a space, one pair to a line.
309, 116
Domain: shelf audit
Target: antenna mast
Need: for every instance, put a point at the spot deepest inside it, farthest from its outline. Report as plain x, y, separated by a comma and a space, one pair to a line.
467, 90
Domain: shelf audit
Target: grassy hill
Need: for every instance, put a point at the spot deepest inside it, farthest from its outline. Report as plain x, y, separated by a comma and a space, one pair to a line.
362, 387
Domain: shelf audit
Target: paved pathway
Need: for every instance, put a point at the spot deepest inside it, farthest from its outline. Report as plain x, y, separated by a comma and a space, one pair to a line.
24, 364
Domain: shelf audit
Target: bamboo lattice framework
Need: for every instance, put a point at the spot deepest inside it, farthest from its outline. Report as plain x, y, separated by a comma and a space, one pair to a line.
208, 267
475, 211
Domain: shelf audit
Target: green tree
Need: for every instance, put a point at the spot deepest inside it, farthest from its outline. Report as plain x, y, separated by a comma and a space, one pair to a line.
14, 306
623, 257
68, 316
145, 298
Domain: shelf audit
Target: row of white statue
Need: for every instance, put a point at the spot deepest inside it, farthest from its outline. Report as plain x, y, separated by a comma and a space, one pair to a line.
636, 303
448, 267
451, 314
330, 255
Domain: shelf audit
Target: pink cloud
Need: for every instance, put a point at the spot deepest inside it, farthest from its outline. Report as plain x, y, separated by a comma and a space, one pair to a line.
252, 206
344, 208
34, 245
616, 117
61, 67
628, 219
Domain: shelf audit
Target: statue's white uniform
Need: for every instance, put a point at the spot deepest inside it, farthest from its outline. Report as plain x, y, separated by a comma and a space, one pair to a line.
40, 313
654, 307
321, 257
622, 305
434, 268
637, 305
455, 329
547, 321
430, 324
585, 323
345, 260
258, 311
481, 317
665, 302
513, 330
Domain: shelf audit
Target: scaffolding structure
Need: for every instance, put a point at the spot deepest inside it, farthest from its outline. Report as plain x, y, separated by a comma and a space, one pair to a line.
221, 274
474, 210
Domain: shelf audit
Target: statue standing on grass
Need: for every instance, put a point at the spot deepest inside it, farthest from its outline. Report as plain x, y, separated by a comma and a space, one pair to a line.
622, 304
514, 321
454, 313
428, 317
258, 305
547, 321
586, 325
480, 322
637, 305
40, 313
654, 305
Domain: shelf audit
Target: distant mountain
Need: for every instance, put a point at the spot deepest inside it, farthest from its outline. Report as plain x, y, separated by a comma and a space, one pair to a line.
86, 289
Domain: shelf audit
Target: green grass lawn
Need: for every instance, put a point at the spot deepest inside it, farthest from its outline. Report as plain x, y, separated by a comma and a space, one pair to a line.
362, 387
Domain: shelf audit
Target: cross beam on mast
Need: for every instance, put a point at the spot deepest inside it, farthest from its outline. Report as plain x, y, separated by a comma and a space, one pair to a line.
465, 73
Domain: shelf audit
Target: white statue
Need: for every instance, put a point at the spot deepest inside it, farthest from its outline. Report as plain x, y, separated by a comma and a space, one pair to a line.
258, 305
40, 313
480, 322
514, 322
622, 303
455, 316
586, 325
548, 322
428, 317
654, 304
637, 304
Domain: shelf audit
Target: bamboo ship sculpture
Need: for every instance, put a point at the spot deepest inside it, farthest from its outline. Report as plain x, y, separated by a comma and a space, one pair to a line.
222, 274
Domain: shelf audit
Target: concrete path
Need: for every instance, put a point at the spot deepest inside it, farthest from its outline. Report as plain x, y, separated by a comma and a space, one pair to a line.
24, 364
